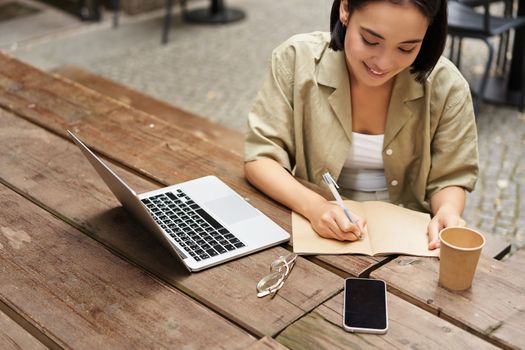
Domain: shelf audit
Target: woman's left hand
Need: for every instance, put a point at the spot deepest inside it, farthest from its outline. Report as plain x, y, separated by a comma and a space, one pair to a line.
445, 217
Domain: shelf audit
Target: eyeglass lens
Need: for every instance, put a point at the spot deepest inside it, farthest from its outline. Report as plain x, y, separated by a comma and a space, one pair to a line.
275, 280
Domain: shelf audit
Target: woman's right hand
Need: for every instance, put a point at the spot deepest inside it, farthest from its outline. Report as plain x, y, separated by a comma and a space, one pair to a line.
330, 221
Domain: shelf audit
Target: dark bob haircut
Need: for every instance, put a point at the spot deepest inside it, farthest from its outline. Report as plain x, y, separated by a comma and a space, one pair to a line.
432, 46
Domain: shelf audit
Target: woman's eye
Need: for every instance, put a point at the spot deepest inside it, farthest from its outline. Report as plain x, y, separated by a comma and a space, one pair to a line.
406, 50
368, 42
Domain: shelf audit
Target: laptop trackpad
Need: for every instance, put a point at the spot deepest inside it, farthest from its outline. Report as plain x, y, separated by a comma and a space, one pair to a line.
231, 209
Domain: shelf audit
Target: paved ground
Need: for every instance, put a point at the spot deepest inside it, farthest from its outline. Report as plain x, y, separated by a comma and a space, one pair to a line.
216, 71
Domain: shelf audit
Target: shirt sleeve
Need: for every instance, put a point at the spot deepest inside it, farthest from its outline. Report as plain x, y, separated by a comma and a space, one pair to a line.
454, 159
270, 121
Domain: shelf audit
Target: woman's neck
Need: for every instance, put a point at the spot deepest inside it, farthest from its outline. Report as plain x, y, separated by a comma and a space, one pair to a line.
370, 107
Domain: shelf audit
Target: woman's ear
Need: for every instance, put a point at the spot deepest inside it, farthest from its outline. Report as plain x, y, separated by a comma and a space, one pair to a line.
343, 12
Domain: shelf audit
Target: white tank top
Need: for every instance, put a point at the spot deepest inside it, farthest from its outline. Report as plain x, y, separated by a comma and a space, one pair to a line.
364, 168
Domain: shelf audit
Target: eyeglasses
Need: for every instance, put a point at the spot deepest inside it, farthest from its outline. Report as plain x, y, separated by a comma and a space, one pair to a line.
280, 269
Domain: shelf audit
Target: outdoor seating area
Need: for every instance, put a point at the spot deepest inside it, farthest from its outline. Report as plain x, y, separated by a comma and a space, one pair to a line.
465, 22
78, 271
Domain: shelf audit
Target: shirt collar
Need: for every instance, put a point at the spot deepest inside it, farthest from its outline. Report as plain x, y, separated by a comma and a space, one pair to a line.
332, 72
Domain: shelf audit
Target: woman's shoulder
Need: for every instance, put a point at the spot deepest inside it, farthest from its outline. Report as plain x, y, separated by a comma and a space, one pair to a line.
446, 84
447, 75
303, 45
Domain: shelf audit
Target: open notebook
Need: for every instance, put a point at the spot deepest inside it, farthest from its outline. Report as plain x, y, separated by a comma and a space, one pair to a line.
390, 229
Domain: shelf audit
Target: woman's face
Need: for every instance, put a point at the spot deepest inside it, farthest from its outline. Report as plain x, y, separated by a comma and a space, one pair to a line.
382, 39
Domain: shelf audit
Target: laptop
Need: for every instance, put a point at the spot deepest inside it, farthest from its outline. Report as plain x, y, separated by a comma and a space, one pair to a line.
203, 221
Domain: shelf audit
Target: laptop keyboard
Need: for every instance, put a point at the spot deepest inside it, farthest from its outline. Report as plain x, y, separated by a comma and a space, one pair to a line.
190, 226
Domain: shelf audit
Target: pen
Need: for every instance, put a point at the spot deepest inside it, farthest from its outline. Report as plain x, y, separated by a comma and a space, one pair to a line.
332, 185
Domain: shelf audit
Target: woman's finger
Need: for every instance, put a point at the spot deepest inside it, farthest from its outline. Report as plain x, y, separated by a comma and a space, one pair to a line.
433, 234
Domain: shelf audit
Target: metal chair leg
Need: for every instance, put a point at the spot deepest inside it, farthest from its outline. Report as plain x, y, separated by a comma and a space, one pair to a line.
502, 59
455, 50
453, 54
460, 42
116, 11
500, 54
167, 22
484, 80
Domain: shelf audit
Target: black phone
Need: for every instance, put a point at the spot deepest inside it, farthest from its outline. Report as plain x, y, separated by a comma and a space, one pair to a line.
365, 308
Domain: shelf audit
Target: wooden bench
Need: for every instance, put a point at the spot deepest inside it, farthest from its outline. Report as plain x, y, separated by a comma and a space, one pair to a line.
229, 139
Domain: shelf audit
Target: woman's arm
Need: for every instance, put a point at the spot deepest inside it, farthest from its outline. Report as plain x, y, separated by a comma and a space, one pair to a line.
447, 206
326, 218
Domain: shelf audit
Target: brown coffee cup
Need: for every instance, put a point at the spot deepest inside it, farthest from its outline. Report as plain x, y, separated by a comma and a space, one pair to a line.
459, 256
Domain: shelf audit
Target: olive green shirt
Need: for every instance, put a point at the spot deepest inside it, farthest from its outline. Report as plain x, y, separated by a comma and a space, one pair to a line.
302, 118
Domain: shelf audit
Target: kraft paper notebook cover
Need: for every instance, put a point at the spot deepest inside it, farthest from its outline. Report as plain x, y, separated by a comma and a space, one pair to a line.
390, 229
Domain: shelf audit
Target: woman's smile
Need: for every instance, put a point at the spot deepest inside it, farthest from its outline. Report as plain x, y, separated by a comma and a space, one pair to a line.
374, 73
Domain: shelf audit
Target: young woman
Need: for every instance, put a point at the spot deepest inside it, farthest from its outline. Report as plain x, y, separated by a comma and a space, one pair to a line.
375, 104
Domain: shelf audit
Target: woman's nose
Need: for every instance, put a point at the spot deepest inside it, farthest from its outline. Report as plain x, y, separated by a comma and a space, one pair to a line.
384, 62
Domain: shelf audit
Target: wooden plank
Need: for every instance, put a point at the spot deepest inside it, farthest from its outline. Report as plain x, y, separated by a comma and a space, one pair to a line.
409, 328
224, 137
495, 301
514, 326
53, 172
349, 265
267, 343
14, 337
81, 296
33, 93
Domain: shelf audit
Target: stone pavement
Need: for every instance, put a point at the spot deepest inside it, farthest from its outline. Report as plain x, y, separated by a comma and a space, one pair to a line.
216, 71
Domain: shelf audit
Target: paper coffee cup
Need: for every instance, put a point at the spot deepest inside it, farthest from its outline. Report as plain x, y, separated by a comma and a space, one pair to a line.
459, 256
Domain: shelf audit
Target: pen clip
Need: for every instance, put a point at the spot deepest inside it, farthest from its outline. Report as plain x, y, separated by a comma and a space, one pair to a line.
329, 179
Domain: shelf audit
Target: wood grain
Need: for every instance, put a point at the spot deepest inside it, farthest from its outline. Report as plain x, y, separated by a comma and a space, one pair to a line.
349, 265
217, 134
409, 328
82, 296
516, 260
52, 172
266, 343
493, 308
14, 337
514, 327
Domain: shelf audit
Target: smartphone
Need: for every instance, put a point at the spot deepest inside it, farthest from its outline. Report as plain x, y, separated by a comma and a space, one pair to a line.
365, 307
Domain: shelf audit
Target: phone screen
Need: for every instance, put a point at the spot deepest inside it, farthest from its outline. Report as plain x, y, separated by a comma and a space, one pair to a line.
365, 305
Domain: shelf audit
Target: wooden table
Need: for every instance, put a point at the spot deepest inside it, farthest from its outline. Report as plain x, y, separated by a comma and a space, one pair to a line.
77, 271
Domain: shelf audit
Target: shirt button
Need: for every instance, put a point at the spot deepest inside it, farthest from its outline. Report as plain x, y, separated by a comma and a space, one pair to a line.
389, 152
394, 183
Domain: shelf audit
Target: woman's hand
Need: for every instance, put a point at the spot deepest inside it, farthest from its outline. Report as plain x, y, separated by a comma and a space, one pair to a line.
445, 217
330, 221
